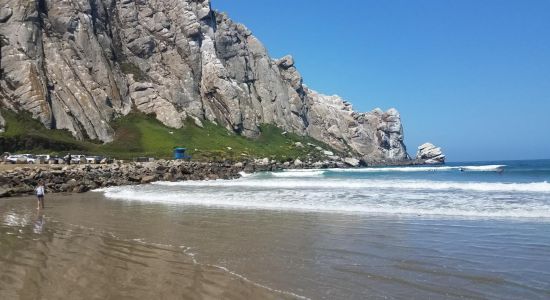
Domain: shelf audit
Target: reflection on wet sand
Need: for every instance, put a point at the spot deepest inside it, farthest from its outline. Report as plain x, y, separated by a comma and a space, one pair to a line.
57, 262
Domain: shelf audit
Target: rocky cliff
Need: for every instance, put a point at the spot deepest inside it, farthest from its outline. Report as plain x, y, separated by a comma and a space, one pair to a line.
79, 64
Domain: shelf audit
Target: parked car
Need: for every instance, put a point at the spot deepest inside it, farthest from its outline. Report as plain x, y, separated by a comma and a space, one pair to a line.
31, 158
93, 159
54, 160
45, 157
14, 157
75, 158
27, 158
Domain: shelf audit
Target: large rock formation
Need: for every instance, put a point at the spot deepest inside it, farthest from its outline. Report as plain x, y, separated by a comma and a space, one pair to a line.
430, 154
79, 64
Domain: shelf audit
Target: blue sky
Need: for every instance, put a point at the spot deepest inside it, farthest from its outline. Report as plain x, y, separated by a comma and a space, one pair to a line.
472, 76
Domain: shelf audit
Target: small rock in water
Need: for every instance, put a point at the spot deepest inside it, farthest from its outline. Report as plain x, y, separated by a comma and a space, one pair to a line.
430, 154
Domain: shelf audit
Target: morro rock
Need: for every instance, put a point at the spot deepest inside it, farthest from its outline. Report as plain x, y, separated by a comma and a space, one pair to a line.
80, 65
430, 154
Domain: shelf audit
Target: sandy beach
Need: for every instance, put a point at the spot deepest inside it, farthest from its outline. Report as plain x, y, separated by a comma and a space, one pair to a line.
86, 246
51, 254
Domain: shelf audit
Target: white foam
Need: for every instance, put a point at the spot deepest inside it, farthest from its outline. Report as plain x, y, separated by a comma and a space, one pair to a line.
483, 168
393, 169
360, 202
301, 173
536, 187
244, 174
487, 168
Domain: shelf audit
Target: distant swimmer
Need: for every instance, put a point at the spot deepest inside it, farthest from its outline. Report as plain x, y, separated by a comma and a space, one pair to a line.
461, 169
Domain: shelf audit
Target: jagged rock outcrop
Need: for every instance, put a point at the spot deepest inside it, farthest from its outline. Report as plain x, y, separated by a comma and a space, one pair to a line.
2, 123
430, 154
79, 64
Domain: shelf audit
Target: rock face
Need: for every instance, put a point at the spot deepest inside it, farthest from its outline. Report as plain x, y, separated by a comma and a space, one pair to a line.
78, 65
430, 154
2, 124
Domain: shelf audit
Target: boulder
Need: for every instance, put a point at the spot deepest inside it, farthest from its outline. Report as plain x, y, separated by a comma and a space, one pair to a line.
430, 154
5, 192
318, 164
354, 162
72, 183
334, 158
262, 162
298, 163
148, 179
5, 13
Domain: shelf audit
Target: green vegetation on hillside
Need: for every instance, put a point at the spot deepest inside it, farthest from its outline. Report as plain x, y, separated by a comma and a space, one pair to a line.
138, 134
22, 132
130, 68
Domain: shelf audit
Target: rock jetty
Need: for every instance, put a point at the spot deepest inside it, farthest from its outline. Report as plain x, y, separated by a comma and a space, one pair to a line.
22, 179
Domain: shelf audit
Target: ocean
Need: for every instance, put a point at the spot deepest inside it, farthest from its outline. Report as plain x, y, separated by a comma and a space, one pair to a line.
475, 230
511, 189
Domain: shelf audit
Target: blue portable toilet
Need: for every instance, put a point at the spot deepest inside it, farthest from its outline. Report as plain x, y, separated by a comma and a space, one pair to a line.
179, 153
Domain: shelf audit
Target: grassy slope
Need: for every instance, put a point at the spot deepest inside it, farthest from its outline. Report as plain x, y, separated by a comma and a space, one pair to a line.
142, 135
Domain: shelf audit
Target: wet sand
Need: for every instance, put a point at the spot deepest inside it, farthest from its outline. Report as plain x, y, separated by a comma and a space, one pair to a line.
46, 256
83, 246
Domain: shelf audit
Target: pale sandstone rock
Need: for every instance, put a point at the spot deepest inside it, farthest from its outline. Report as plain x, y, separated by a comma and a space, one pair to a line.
430, 154
352, 161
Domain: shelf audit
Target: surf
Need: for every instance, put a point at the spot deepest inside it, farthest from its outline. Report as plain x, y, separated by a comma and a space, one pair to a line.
537, 187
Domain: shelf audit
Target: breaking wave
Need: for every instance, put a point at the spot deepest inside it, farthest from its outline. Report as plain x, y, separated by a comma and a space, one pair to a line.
301, 173
398, 202
519, 193
537, 187
485, 168
411, 169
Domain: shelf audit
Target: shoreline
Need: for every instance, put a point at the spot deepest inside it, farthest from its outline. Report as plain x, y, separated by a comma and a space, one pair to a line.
147, 256
21, 180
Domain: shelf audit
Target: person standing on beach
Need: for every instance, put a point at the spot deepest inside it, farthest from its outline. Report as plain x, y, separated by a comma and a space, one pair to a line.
69, 157
40, 191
